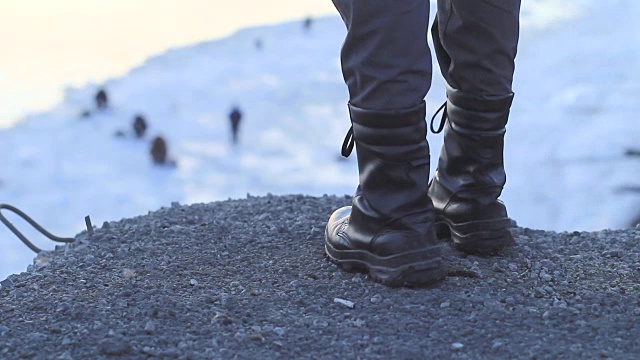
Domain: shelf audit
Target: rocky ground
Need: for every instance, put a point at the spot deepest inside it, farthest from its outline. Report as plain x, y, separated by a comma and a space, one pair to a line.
245, 279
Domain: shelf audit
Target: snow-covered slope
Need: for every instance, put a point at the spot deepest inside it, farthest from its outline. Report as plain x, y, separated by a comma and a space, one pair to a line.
572, 120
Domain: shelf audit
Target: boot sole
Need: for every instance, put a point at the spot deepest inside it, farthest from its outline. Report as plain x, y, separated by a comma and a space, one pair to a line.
414, 268
476, 237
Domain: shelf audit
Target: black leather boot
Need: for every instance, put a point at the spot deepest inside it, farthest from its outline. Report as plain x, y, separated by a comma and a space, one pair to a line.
389, 230
470, 174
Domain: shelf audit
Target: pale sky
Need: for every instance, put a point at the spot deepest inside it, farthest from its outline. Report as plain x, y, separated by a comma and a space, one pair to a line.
46, 43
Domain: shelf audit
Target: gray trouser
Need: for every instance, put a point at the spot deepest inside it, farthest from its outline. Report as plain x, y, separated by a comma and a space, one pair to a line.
386, 62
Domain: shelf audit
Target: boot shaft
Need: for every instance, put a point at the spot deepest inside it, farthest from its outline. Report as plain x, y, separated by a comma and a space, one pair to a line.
471, 158
393, 159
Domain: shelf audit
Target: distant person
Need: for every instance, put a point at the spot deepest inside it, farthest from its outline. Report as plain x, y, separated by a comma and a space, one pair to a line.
160, 153
306, 25
102, 101
235, 116
399, 216
632, 152
139, 126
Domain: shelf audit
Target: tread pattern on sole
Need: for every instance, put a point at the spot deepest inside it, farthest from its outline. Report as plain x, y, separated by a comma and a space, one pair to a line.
422, 269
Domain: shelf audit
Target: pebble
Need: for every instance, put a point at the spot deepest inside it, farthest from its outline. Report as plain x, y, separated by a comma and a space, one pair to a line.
150, 327
559, 303
496, 344
114, 347
445, 304
193, 282
457, 346
150, 351
65, 356
3, 330
510, 301
278, 330
375, 299
36, 337
613, 253
320, 323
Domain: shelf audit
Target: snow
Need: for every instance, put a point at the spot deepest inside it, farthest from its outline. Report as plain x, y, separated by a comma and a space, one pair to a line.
573, 118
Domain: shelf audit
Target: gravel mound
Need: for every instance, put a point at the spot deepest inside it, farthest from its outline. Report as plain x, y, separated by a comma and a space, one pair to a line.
247, 279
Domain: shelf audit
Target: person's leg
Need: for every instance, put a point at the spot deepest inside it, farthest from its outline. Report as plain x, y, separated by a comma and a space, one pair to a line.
385, 58
389, 230
475, 44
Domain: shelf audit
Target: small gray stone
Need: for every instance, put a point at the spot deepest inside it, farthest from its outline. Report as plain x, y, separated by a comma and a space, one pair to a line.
193, 282
375, 299
114, 347
445, 304
320, 323
456, 346
613, 253
36, 337
151, 351
65, 356
510, 301
559, 303
545, 277
278, 330
3, 330
150, 327
6, 283
63, 307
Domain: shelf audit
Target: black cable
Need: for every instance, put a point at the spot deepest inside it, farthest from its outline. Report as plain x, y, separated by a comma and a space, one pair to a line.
32, 223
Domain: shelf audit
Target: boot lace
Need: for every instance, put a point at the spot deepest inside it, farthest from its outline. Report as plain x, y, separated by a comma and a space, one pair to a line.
348, 143
443, 119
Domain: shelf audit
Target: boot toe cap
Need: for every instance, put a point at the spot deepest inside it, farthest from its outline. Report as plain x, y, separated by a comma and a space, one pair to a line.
334, 233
